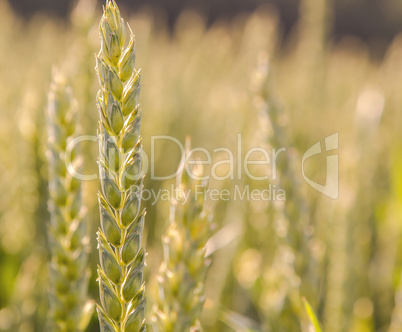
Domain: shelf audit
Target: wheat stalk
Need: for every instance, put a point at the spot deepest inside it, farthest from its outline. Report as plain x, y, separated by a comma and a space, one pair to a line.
120, 274
68, 234
183, 270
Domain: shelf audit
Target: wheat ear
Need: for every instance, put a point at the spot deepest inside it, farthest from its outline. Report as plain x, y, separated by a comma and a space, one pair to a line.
183, 270
299, 271
68, 233
295, 210
120, 274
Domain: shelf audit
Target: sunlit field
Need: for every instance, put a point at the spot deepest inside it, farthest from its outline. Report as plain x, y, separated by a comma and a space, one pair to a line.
289, 146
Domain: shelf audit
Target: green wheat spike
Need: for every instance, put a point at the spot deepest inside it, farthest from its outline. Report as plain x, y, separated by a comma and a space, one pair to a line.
68, 233
121, 255
183, 270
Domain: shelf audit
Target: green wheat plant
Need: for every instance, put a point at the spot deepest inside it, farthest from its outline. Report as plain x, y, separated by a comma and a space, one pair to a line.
184, 267
68, 233
343, 255
120, 274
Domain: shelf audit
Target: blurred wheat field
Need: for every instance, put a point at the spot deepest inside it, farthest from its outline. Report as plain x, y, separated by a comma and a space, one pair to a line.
205, 81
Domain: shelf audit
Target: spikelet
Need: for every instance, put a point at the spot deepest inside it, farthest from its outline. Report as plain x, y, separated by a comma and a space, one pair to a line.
183, 270
120, 274
68, 233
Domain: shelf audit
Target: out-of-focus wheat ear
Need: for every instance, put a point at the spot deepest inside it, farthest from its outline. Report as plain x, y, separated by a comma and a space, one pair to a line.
296, 207
292, 217
185, 265
70, 309
121, 255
